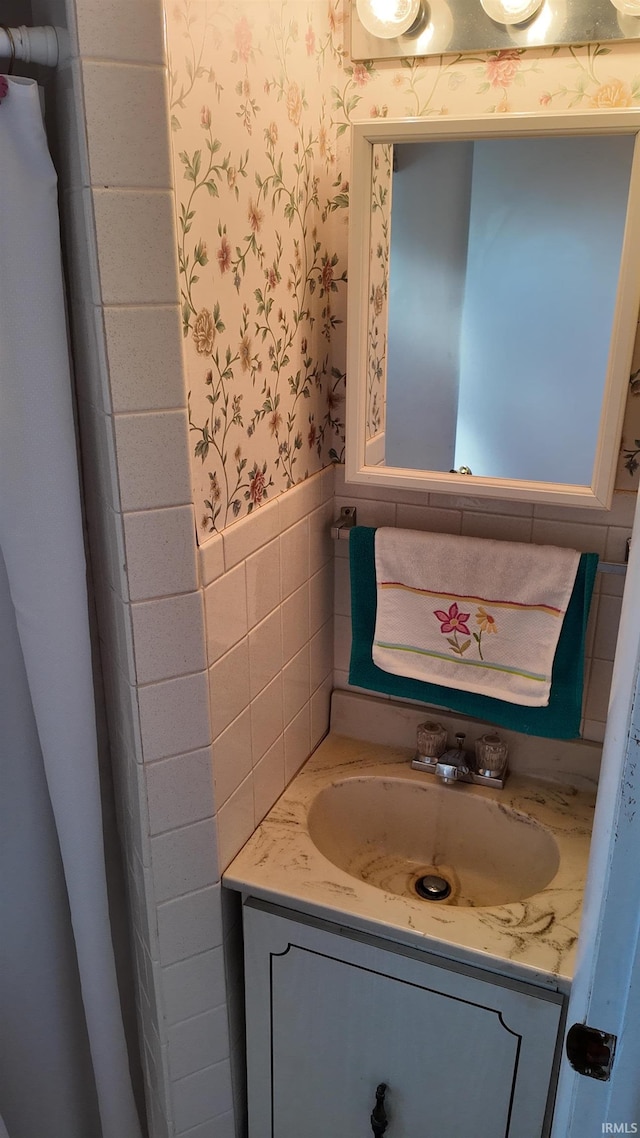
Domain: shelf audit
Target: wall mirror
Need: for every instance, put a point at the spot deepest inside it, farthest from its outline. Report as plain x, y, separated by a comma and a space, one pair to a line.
494, 282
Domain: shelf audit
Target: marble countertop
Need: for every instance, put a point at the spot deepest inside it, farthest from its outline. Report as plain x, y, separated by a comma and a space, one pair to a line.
532, 939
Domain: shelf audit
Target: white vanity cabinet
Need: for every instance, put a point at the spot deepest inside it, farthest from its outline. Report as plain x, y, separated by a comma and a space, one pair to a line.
331, 1014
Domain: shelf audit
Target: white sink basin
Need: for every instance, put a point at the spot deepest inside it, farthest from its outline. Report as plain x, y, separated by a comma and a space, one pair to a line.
357, 827
389, 832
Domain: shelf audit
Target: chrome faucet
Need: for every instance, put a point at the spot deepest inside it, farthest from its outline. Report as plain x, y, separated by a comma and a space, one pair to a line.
453, 765
456, 764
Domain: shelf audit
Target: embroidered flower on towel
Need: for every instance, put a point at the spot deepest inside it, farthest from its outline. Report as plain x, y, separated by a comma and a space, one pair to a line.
4, 87
486, 623
454, 621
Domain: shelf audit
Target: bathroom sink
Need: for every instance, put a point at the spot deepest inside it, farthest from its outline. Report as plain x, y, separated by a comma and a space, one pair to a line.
390, 832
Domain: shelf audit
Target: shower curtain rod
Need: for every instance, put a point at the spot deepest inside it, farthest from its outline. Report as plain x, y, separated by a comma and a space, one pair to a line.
29, 45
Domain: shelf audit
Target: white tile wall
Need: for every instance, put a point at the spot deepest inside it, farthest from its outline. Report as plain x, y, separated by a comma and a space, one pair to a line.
199, 1097
232, 756
268, 779
168, 637
184, 860
236, 821
229, 687
134, 266
118, 212
160, 552
124, 107
263, 582
270, 677
296, 625
226, 608
194, 985
153, 461
189, 925
297, 742
144, 348
265, 652
174, 716
122, 31
267, 720
199, 1042
180, 790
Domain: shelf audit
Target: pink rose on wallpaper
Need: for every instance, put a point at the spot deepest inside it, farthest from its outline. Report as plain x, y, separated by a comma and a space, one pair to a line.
615, 93
545, 99
257, 484
4, 87
360, 75
205, 117
310, 40
502, 68
243, 39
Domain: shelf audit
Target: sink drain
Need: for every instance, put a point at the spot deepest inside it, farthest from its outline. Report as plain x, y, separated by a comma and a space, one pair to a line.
432, 888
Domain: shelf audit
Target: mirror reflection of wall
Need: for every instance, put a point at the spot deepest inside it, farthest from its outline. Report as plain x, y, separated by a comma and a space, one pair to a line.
504, 262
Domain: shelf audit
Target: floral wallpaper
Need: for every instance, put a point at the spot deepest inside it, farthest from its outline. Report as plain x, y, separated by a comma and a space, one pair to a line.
262, 283
381, 181
262, 95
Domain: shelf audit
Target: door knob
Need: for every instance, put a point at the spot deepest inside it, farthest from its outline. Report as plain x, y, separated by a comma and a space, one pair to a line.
379, 1121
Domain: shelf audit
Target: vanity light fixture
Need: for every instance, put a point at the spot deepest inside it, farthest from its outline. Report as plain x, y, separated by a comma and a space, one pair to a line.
511, 11
387, 19
627, 7
411, 29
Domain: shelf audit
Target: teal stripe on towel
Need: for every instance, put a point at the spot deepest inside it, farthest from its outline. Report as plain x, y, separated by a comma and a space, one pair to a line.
559, 720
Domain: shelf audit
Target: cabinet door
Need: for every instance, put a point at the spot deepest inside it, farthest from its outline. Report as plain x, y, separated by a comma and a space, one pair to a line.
330, 1017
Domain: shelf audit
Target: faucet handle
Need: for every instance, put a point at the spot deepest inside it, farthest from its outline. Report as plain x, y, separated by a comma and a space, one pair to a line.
491, 756
431, 739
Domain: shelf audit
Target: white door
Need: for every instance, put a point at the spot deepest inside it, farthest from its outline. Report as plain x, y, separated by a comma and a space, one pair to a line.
606, 990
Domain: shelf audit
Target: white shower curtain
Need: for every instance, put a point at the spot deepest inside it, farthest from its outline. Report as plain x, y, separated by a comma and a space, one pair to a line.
63, 1060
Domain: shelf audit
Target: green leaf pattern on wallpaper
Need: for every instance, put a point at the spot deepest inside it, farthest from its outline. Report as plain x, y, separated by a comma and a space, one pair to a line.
262, 95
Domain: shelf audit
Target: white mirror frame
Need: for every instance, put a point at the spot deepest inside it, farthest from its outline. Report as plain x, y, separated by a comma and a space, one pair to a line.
363, 137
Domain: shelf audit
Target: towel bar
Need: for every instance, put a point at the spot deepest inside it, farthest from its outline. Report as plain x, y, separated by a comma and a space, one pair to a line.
348, 519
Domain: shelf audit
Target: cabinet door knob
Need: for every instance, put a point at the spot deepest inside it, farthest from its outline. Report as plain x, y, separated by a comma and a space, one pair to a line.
379, 1121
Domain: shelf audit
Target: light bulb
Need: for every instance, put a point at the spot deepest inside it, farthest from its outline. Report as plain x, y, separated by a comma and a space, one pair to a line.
627, 7
548, 25
438, 32
388, 18
510, 11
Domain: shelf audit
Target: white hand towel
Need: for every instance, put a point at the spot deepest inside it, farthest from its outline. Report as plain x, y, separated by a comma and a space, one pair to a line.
467, 613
